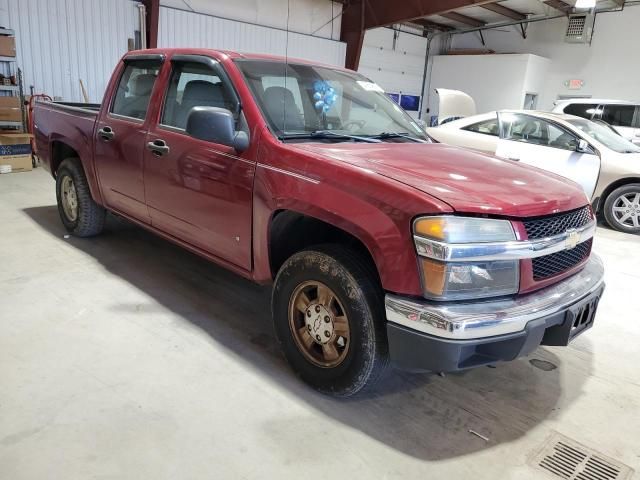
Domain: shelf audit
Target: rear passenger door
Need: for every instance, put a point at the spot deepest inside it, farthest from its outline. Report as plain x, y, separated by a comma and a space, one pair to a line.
120, 136
198, 191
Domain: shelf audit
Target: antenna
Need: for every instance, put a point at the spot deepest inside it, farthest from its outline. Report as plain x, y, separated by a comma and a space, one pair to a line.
286, 67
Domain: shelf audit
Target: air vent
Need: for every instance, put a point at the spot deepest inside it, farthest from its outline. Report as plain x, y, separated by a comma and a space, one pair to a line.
564, 458
580, 28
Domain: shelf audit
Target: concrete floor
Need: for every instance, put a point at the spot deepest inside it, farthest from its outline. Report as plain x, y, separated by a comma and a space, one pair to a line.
125, 357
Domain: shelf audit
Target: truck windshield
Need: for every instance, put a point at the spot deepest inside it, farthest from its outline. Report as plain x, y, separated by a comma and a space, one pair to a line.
311, 102
605, 135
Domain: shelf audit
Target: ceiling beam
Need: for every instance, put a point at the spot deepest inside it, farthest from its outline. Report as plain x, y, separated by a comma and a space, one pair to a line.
429, 25
458, 17
504, 11
361, 15
559, 5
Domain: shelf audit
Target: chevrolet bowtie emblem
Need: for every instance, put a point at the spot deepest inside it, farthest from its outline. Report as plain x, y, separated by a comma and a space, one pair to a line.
573, 237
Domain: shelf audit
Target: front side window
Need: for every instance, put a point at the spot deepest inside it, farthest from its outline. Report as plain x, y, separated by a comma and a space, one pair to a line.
135, 87
605, 135
536, 131
195, 85
487, 127
303, 99
584, 110
619, 115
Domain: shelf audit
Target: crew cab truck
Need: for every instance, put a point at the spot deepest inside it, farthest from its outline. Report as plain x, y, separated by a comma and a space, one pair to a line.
382, 246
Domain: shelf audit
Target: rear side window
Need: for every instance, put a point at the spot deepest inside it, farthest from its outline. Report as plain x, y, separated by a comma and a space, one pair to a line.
488, 127
619, 115
584, 110
134, 88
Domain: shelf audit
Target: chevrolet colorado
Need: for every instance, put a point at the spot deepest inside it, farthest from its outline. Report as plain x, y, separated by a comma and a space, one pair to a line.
382, 246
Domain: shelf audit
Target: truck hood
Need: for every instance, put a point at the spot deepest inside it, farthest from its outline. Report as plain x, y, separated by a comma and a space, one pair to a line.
467, 181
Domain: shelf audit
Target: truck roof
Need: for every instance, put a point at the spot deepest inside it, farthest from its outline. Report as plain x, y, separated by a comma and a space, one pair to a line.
231, 54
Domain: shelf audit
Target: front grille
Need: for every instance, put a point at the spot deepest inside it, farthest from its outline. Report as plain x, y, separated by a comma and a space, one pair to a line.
550, 265
557, 224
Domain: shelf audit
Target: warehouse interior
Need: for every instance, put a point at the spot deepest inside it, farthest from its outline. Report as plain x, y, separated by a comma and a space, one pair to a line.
141, 353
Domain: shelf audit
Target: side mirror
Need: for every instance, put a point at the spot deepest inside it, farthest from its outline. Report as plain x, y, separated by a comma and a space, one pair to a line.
216, 125
584, 147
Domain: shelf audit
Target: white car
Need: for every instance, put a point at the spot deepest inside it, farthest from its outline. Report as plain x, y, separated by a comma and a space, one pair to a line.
622, 115
591, 154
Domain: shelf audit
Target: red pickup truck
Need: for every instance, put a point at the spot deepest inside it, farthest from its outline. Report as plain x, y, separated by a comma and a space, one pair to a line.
382, 246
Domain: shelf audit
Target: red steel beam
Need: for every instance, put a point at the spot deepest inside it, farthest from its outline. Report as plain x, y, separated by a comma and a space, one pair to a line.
504, 11
428, 24
153, 19
559, 5
361, 15
458, 17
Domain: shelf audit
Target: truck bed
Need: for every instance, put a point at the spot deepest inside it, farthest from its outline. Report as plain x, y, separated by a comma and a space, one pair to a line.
67, 122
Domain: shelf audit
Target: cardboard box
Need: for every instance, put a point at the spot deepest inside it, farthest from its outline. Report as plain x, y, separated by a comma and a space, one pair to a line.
10, 102
7, 46
10, 114
19, 163
15, 150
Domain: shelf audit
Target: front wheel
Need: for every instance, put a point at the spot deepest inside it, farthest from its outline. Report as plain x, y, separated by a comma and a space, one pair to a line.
328, 315
622, 208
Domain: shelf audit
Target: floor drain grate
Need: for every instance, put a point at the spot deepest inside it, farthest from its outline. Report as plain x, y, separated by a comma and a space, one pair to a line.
567, 459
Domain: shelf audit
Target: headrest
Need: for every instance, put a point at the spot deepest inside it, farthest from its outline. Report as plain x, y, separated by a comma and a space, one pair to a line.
142, 84
282, 109
203, 93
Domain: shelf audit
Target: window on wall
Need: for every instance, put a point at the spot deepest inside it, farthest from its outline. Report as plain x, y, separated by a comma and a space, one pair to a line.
135, 87
195, 85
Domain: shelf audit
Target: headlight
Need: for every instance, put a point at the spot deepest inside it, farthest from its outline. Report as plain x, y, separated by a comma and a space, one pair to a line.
445, 280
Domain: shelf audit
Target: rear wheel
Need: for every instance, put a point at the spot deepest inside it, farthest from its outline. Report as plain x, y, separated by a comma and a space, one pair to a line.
79, 213
622, 208
328, 316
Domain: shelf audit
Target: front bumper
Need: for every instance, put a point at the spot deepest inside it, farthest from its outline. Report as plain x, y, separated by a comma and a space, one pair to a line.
455, 336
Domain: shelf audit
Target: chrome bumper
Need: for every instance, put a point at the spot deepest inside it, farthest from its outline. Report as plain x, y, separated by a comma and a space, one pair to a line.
481, 319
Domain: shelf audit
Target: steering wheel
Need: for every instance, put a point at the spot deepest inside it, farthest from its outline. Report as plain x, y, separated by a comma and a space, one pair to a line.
354, 125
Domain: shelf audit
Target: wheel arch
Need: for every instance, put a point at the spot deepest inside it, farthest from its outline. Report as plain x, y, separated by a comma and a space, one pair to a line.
284, 238
621, 182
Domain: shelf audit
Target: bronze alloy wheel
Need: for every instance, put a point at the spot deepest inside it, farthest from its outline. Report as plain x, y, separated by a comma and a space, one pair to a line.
319, 324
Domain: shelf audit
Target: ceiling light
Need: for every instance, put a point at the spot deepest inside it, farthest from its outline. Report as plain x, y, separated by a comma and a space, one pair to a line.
585, 4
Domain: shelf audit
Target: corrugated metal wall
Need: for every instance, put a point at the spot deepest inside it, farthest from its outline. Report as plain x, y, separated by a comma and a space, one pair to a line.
179, 28
60, 42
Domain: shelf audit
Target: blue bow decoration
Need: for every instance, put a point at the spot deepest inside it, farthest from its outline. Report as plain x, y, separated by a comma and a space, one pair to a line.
324, 96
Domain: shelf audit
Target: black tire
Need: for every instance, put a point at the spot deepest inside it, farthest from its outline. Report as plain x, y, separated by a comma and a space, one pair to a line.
610, 203
354, 282
90, 216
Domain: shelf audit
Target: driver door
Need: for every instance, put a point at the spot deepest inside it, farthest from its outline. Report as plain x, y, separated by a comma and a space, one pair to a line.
547, 145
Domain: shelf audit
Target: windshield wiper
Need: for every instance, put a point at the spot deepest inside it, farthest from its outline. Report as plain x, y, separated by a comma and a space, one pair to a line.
327, 134
385, 135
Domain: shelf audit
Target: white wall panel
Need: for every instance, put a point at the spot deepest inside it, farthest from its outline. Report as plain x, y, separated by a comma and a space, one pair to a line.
608, 67
59, 42
318, 17
180, 28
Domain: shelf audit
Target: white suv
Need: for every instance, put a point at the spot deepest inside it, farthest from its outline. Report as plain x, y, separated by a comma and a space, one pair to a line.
623, 116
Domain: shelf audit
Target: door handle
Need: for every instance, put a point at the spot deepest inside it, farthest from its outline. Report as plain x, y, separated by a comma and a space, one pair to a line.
106, 133
514, 159
158, 147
